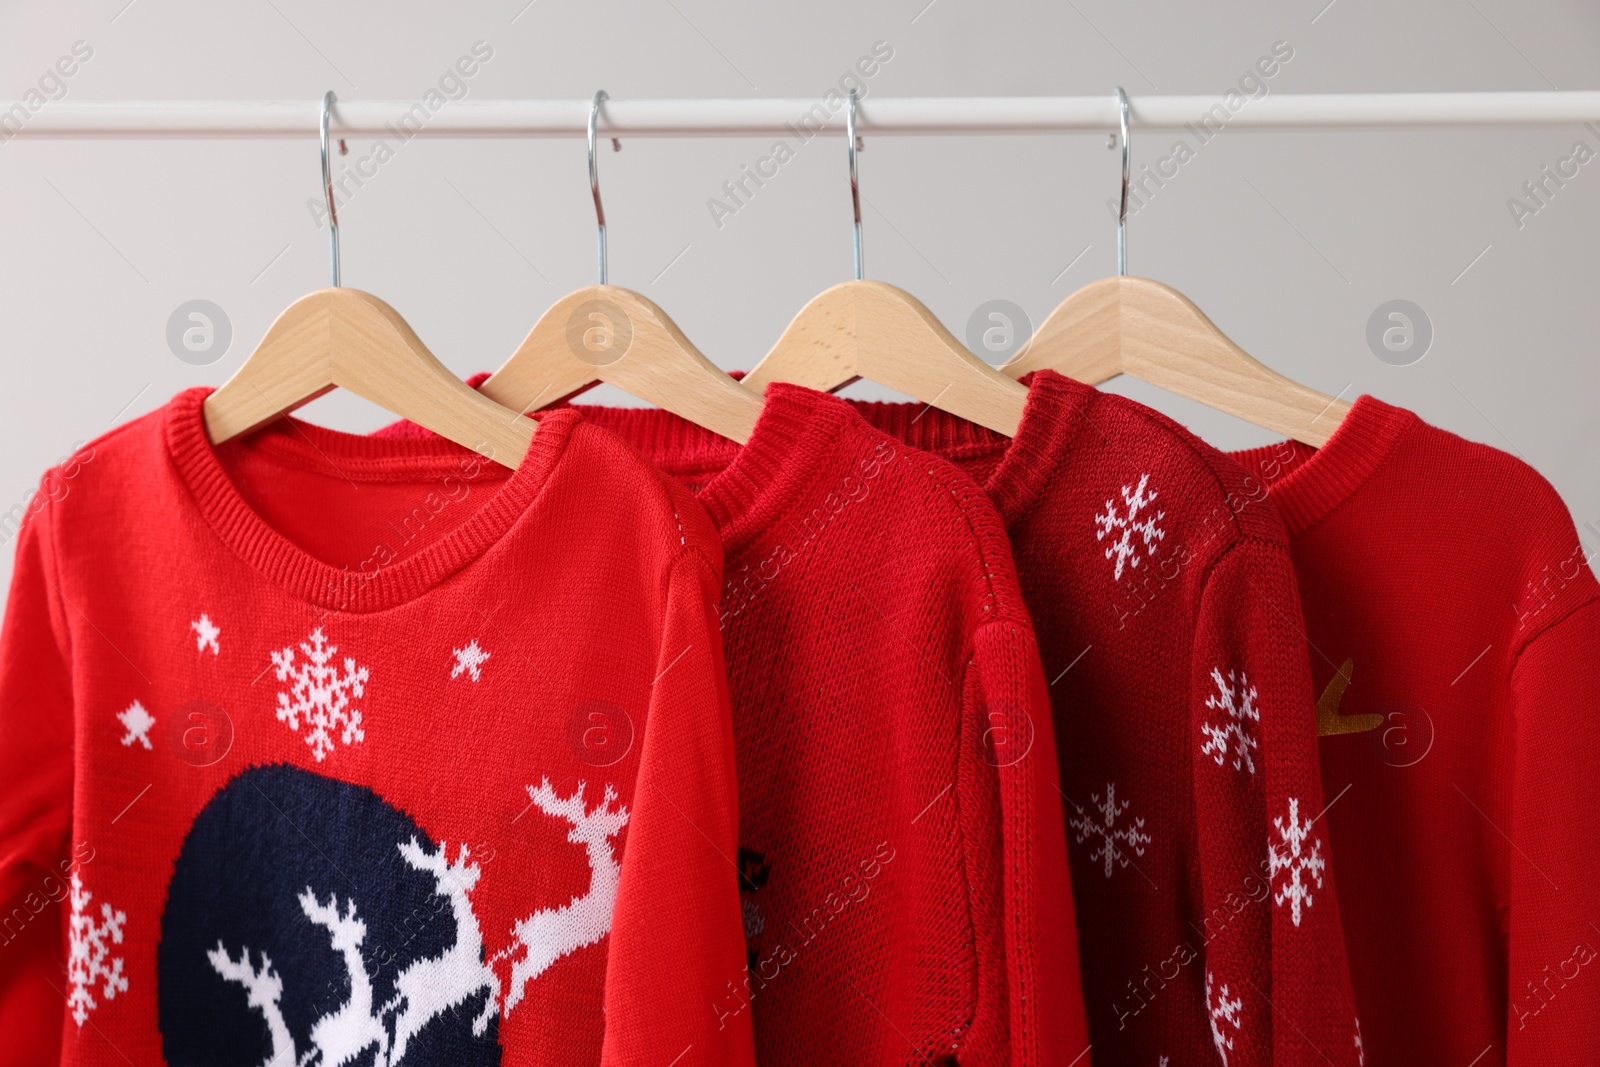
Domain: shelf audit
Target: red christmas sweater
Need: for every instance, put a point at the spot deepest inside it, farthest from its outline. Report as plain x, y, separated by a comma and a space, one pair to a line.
1455, 638
320, 749
902, 857
1160, 584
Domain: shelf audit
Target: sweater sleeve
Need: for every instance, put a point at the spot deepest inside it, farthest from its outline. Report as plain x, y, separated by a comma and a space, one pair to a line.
1047, 1023
677, 957
1276, 978
36, 730
1554, 1014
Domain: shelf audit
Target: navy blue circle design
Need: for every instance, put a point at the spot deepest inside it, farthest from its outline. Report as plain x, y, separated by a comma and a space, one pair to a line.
310, 872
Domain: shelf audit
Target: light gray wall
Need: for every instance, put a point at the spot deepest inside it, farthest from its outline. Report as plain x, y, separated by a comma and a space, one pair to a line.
1289, 241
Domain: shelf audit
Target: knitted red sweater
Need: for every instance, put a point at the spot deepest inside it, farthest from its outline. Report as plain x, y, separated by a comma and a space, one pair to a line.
321, 748
903, 862
1160, 584
1455, 636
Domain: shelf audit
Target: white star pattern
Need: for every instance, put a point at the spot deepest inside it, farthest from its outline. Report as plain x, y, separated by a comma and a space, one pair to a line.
469, 659
1295, 861
137, 721
206, 633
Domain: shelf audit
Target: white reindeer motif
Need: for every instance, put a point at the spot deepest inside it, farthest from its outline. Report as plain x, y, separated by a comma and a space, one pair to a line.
550, 933
263, 989
342, 1035
430, 987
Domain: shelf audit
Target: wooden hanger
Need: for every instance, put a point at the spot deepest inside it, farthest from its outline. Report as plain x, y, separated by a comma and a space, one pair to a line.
866, 329
1152, 332
349, 339
602, 333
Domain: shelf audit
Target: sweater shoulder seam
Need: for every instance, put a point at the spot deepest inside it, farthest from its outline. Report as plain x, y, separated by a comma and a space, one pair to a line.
1203, 466
1241, 540
52, 576
666, 499
1523, 644
1008, 608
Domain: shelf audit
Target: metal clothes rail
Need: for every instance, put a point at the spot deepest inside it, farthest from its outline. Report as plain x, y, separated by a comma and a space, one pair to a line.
908, 116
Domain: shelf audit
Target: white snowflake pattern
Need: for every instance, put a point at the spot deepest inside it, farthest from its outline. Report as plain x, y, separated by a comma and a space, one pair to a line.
469, 659
1105, 828
1223, 1012
1236, 699
1122, 527
206, 633
322, 693
1296, 862
137, 721
89, 959
1361, 1050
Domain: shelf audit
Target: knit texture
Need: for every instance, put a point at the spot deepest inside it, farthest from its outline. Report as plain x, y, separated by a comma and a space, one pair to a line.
1162, 591
1455, 635
326, 749
902, 855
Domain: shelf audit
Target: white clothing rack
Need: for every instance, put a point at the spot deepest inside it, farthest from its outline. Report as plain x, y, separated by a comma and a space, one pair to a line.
912, 116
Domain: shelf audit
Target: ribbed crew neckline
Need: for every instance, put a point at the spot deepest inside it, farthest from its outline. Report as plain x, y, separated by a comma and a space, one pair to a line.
798, 438
293, 442
748, 487
1053, 416
1320, 479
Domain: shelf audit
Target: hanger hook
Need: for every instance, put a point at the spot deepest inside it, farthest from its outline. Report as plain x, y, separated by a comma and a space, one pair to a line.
594, 179
1122, 208
855, 184
327, 189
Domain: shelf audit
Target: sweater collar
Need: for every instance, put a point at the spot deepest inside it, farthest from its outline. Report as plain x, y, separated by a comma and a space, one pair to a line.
1306, 484
800, 436
291, 441
1056, 412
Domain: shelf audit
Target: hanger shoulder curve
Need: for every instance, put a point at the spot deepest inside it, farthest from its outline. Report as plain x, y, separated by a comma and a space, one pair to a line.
873, 330
602, 333
349, 339
817, 348
1136, 326
1081, 338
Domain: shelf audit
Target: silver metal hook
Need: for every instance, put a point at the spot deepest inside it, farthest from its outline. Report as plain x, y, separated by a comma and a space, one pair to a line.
594, 178
1122, 208
327, 189
855, 184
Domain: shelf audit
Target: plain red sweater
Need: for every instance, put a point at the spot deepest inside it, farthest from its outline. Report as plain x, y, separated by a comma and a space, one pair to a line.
1455, 638
902, 856
1161, 587
320, 744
